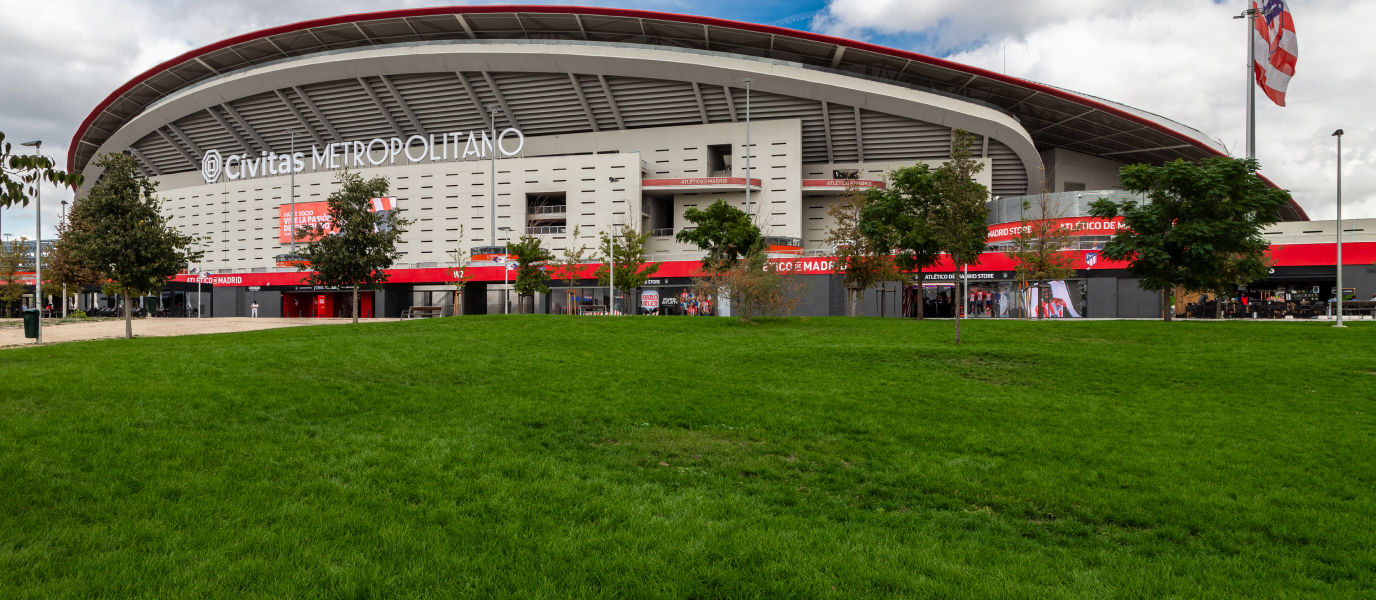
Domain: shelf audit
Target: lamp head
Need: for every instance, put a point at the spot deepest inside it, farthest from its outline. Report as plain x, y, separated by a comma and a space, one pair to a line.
615, 179
748, 81
33, 144
1338, 133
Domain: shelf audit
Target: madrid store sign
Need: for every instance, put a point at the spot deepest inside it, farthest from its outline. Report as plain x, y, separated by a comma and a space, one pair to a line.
358, 153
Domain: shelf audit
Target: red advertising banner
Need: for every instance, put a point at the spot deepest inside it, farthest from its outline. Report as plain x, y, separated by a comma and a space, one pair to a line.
310, 214
699, 182
1078, 225
843, 183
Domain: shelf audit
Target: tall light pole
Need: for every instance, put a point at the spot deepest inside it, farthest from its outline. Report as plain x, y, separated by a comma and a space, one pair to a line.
64, 286
291, 164
492, 112
37, 145
748, 152
1339, 134
200, 275
611, 250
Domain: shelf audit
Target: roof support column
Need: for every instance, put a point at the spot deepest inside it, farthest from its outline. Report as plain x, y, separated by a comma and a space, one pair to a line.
702, 107
300, 118
583, 99
826, 128
377, 101
501, 100
392, 89
611, 101
859, 135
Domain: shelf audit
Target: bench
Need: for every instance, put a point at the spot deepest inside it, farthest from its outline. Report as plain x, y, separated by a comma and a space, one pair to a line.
593, 309
422, 312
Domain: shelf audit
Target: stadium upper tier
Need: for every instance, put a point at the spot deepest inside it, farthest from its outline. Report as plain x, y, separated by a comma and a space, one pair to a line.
563, 70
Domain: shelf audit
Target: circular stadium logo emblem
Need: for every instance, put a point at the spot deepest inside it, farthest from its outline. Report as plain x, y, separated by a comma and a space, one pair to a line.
211, 165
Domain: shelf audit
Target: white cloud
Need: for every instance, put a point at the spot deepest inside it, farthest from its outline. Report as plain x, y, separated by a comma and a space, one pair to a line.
1182, 60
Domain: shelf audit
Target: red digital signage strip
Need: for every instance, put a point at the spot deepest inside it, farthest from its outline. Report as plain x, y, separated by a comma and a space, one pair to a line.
1285, 256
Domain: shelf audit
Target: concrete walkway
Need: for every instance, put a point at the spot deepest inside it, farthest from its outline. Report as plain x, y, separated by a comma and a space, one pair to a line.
12, 331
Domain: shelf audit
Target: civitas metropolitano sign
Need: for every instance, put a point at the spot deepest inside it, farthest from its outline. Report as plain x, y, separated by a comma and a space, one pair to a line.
359, 153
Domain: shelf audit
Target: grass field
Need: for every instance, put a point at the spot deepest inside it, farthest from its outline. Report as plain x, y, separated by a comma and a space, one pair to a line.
552, 457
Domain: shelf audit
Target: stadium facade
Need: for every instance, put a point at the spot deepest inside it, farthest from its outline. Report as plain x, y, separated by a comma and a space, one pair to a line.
499, 121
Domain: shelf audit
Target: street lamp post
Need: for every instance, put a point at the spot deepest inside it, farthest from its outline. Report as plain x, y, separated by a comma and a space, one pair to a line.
611, 250
64, 286
37, 145
1339, 134
492, 187
747, 81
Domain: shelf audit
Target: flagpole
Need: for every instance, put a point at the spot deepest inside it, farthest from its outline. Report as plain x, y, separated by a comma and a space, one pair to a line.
1250, 15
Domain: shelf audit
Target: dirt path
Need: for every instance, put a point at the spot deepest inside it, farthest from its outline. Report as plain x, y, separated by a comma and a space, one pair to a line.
12, 333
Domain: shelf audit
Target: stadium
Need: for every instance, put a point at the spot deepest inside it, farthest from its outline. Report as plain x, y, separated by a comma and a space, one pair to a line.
495, 122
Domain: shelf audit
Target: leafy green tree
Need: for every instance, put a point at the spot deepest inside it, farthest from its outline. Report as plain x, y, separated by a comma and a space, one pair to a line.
1200, 229
20, 175
126, 236
569, 267
1038, 248
897, 220
723, 231
959, 220
63, 267
12, 261
532, 264
628, 249
357, 245
861, 262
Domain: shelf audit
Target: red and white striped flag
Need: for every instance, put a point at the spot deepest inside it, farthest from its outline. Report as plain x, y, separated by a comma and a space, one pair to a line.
1276, 50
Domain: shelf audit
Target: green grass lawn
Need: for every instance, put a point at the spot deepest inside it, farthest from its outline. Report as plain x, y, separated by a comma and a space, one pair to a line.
552, 457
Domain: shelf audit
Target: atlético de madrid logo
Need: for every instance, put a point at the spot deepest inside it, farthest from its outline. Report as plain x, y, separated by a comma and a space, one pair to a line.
1091, 258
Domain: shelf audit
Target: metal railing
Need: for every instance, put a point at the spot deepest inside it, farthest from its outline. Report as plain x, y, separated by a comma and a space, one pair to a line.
550, 230
661, 232
548, 210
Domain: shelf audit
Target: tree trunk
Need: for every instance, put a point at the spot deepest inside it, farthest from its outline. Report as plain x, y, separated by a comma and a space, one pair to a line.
962, 301
355, 305
128, 318
1167, 310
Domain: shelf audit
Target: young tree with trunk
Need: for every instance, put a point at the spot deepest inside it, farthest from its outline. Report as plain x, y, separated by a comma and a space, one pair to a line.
1200, 228
532, 264
1039, 247
897, 220
861, 261
628, 249
63, 267
125, 234
569, 267
12, 259
458, 274
356, 246
959, 220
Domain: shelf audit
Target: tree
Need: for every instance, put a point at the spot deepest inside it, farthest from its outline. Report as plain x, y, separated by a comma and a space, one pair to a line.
757, 285
959, 221
862, 263
126, 236
459, 275
12, 259
723, 231
1200, 228
63, 266
531, 266
20, 175
357, 245
569, 267
628, 250
1038, 248
897, 220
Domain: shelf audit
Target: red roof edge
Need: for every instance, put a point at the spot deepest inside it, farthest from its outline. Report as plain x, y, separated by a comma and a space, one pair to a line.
629, 13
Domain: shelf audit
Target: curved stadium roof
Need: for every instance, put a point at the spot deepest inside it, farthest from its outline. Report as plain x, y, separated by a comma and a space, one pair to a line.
1054, 117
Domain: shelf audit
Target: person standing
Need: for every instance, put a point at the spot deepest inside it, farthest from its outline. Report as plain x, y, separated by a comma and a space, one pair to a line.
253, 309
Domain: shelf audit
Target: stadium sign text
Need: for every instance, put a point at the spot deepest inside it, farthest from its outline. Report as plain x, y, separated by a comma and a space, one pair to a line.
357, 153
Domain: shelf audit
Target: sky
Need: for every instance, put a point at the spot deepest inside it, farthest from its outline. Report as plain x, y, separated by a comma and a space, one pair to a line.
1182, 59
